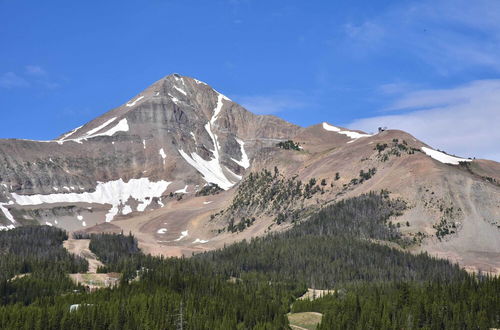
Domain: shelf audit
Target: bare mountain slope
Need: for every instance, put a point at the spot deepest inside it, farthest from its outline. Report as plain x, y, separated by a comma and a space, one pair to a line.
144, 167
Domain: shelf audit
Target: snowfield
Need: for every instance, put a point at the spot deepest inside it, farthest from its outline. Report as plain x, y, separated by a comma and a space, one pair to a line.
115, 193
350, 134
443, 158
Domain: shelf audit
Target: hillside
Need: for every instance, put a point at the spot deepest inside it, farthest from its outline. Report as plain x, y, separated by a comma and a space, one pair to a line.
188, 170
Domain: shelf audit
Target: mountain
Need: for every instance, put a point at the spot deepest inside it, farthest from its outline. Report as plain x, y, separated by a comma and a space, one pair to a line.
187, 170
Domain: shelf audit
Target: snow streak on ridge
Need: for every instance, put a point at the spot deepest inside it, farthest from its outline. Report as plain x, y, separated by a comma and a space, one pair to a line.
211, 170
350, 134
245, 161
444, 158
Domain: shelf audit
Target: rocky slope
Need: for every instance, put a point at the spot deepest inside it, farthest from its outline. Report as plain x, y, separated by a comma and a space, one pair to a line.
144, 167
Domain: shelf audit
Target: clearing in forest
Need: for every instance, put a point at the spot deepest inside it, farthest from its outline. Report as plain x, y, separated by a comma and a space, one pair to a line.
306, 320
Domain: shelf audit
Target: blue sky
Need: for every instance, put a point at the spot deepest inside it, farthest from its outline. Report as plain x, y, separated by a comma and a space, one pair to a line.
431, 68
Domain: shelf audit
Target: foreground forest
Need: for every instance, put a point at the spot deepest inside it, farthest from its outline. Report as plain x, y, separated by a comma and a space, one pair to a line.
249, 285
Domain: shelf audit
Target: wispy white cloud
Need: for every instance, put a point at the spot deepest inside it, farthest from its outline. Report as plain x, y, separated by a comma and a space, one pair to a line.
366, 32
34, 75
12, 80
395, 88
463, 120
450, 35
272, 103
35, 70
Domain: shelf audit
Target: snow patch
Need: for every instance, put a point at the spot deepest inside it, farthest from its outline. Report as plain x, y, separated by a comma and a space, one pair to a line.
131, 104
234, 174
354, 135
162, 231
126, 210
211, 170
48, 224
330, 128
84, 224
183, 234
199, 82
98, 128
122, 126
163, 155
200, 241
180, 90
174, 99
7, 213
350, 134
443, 158
144, 143
115, 193
182, 191
244, 162
9, 227
205, 203
67, 135
79, 217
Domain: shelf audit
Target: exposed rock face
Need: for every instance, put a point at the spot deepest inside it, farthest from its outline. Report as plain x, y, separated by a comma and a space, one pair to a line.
155, 151
179, 131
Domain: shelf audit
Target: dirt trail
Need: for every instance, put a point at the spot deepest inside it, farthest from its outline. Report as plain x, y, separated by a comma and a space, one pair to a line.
80, 247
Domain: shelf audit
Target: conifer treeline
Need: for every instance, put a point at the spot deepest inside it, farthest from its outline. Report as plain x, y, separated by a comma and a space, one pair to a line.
334, 247
38, 252
36, 248
470, 303
252, 285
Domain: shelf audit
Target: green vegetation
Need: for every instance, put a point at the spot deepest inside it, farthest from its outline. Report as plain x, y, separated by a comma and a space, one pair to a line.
269, 193
37, 252
305, 320
251, 285
242, 224
470, 303
289, 145
36, 249
209, 189
363, 176
395, 148
333, 247
367, 175
444, 228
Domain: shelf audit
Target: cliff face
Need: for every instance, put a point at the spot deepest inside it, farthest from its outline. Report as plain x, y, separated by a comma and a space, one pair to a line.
178, 134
